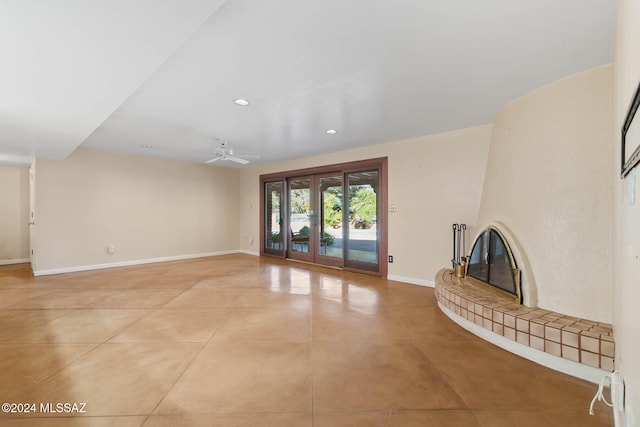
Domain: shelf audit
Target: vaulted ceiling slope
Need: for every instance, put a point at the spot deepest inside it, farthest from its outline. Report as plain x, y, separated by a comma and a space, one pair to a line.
68, 64
158, 77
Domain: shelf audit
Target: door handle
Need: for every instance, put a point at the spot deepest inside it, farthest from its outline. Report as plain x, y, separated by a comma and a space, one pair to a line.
32, 223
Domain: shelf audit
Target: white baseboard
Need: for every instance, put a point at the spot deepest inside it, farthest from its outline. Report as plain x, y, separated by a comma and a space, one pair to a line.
411, 280
253, 253
556, 363
14, 261
129, 263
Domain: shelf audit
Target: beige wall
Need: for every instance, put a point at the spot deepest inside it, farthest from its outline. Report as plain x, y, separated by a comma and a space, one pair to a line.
14, 214
626, 217
547, 182
434, 180
147, 207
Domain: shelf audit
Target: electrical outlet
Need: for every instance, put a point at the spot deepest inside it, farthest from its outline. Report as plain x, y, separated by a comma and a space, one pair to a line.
390, 259
111, 249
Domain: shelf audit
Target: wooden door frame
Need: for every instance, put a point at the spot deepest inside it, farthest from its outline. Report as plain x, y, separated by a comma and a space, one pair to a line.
32, 216
380, 163
324, 259
288, 252
283, 220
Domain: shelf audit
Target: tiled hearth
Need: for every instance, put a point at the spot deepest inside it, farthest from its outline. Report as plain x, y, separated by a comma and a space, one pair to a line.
579, 340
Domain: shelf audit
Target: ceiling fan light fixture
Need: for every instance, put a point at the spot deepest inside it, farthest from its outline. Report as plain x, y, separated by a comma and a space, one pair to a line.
241, 102
331, 131
224, 153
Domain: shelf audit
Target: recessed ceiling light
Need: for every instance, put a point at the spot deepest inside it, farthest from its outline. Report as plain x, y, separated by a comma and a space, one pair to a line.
241, 102
331, 131
147, 146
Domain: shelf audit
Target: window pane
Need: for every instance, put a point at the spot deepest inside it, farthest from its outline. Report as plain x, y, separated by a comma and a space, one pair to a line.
500, 272
478, 262
273, 215
362, 245
300, 214
331, 210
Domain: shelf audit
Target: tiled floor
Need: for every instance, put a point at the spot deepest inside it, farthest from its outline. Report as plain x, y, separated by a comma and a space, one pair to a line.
243, 341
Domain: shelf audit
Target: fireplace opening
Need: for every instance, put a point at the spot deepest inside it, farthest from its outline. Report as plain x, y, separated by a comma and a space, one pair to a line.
492, 263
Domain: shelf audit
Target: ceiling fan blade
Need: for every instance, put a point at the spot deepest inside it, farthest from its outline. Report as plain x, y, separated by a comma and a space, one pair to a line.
238, 160
215, 159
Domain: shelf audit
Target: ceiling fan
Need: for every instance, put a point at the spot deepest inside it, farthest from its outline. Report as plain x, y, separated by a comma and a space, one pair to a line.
226, 154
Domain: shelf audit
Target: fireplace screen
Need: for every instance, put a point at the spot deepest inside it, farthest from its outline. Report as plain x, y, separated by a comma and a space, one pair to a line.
491, 262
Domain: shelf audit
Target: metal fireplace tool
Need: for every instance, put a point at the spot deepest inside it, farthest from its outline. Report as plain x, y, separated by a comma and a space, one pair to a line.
459, 260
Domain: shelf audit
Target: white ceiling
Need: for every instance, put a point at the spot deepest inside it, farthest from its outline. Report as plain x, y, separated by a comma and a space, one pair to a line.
119, 74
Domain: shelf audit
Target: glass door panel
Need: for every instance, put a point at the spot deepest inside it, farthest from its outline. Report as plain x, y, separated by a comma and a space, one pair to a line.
479, 262
331, 216
300, 217
362, 231
330, 245
273, 238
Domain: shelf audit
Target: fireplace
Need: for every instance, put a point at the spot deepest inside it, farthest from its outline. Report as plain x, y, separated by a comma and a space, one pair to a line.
498, 301
492, 264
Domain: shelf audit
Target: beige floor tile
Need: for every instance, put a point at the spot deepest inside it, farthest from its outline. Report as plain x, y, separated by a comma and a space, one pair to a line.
261, 341
555, 418
486, 376
230, 420
175, 325
429, 324
335, 322
230, 281
64, 298
24, 365
461, 418
275, 298
16, 275
206, 298
137, 298
12, 296
241, 377
18, 326
166, 282
288, 282
111, 279
405, 295
115, 379
84, 326
75, 422
280, 324
371, 376
358, 297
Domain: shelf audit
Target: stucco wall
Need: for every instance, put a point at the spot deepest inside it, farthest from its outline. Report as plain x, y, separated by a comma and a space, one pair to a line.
547, 181
626, 216
434, 181
146, 207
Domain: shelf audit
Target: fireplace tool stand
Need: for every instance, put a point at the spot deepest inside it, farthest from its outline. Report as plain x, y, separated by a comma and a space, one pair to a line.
459, 260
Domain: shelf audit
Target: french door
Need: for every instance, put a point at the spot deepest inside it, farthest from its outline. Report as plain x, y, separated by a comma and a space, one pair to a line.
316, 218
362, 210
331, 218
